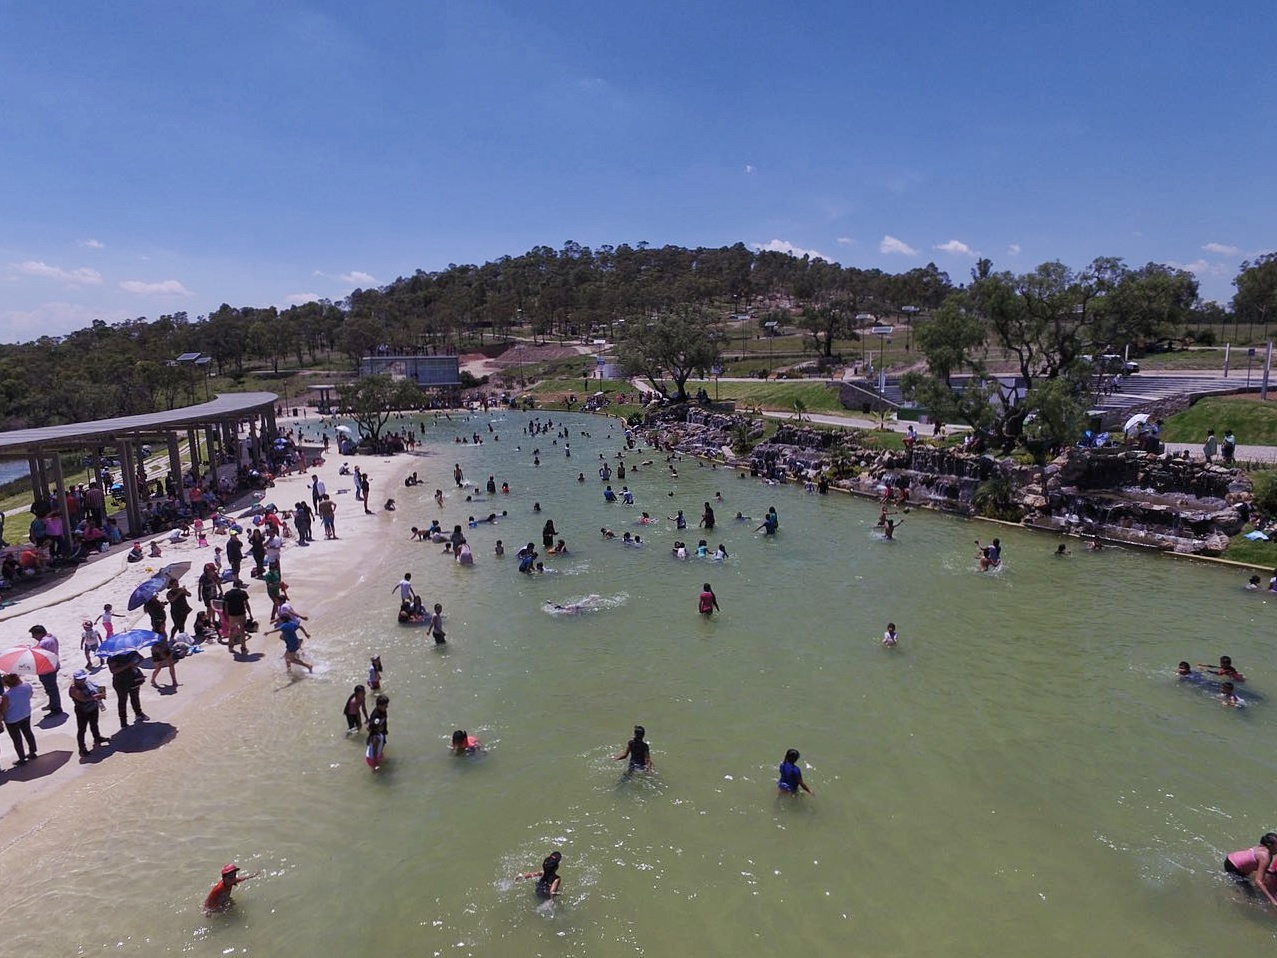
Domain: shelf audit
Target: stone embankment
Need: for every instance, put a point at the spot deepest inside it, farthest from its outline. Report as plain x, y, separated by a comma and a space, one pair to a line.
1140, 498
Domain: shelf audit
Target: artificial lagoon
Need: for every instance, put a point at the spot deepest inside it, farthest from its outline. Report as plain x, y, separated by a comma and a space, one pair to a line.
1022, 771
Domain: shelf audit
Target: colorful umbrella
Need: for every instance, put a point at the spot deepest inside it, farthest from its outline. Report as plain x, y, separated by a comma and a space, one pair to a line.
28, 659
148, 590
130, 641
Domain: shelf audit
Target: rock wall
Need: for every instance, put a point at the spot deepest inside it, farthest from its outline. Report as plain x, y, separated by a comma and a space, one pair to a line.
1124, 495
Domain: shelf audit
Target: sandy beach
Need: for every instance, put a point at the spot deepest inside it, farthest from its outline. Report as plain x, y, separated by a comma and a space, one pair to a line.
32, 797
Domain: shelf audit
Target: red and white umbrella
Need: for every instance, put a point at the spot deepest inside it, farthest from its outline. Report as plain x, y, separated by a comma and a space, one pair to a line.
28, 659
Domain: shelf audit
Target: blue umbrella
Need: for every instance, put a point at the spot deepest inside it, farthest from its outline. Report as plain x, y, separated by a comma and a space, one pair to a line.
130, 641
148, 590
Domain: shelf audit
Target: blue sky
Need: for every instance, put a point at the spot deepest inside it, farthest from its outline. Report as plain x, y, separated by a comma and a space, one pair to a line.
157, 157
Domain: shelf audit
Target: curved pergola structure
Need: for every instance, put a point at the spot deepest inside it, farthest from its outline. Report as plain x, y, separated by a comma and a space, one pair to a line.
217, 420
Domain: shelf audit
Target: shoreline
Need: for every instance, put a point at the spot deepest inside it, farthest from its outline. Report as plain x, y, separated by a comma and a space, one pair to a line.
33, 797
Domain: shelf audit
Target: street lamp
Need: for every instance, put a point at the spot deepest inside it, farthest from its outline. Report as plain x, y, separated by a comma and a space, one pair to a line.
911, 312
861, 319
518, 351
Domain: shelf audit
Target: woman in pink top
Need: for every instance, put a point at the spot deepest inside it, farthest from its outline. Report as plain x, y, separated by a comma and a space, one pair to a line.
1256, 866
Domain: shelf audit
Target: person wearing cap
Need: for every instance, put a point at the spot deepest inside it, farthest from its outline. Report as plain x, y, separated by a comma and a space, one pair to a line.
234, 553
87, 698
219, 896
548, 878
49, 643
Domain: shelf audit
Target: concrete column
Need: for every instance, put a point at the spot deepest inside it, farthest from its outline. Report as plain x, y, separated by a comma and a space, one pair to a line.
175, 464
132, 509
61, 493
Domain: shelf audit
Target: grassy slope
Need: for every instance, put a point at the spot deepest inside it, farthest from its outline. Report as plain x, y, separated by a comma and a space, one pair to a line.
1254, 423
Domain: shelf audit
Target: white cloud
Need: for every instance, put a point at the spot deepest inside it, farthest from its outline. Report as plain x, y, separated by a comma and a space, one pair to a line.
298, 298
749, 168
358, 277
783, 246
75, 277
1013, 249
956, 247
167, 287
890, 244
1202, 267
845, 241
1221, 249
92, 243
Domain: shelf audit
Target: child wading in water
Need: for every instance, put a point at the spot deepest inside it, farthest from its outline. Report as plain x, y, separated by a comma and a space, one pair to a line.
708, 603
890, 638
378, 730
436, 625
548, 878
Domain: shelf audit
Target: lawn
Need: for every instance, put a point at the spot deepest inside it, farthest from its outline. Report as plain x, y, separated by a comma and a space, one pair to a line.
1252, 422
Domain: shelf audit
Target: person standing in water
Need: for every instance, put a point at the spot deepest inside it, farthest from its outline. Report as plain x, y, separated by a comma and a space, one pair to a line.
378, 731
638, 752
708, 603
219, 897
548, 878
791, 776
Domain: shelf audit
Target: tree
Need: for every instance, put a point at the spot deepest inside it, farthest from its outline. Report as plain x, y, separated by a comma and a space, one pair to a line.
370, 401
1256, 298
679, 342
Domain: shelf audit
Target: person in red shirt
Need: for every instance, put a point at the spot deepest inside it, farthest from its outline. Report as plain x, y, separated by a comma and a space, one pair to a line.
219, 897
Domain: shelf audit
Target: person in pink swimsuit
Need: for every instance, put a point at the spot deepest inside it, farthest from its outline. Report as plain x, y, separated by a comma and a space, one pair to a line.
1256, 867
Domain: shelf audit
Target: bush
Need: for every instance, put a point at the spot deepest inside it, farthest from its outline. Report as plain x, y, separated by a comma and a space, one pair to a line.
1265, 491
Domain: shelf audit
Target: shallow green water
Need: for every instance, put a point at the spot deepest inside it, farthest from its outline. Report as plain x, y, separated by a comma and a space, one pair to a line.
1021, 772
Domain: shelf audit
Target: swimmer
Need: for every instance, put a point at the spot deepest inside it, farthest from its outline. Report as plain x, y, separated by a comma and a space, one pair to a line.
580, 477
463, 743
1095, 545
439, 497
548, 878
219, 897
702, 549
680, 521
378, 731
679, 550
645, 520
1228, 696
500, 549
1186, 674
707, 605
1252, 584
638, 752
890, 638
627, 539
990, 556
1254, 867
1062, 550
606, 533
889, 531
791, 776
742, 518
720, 553
1225, 669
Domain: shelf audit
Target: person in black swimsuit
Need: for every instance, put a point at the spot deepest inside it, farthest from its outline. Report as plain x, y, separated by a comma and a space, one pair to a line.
638, 752
548, 878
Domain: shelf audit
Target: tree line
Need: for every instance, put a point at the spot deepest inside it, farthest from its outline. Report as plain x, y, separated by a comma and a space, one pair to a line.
628, 291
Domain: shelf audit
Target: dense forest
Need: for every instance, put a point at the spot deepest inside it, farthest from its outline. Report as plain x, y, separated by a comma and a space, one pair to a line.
545, 295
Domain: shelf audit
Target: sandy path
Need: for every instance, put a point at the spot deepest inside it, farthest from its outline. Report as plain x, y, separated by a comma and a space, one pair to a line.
30, 797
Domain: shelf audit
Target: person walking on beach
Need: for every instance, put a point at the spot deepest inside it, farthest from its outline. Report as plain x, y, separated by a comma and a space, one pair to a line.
127, 680
708, 603
161, 656
638, 752
90, 639
358, 482
154, 608
179, 606
317, 490
237, 609
49, 680
87, 700
328, 516
364, 484
105, 618
234, 553
219, 897
15, 713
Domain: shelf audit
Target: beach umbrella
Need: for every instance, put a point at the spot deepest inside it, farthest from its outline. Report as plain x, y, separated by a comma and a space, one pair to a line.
148, 590
1135, 422
345, 429
28, 659
175, 570
130, 641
